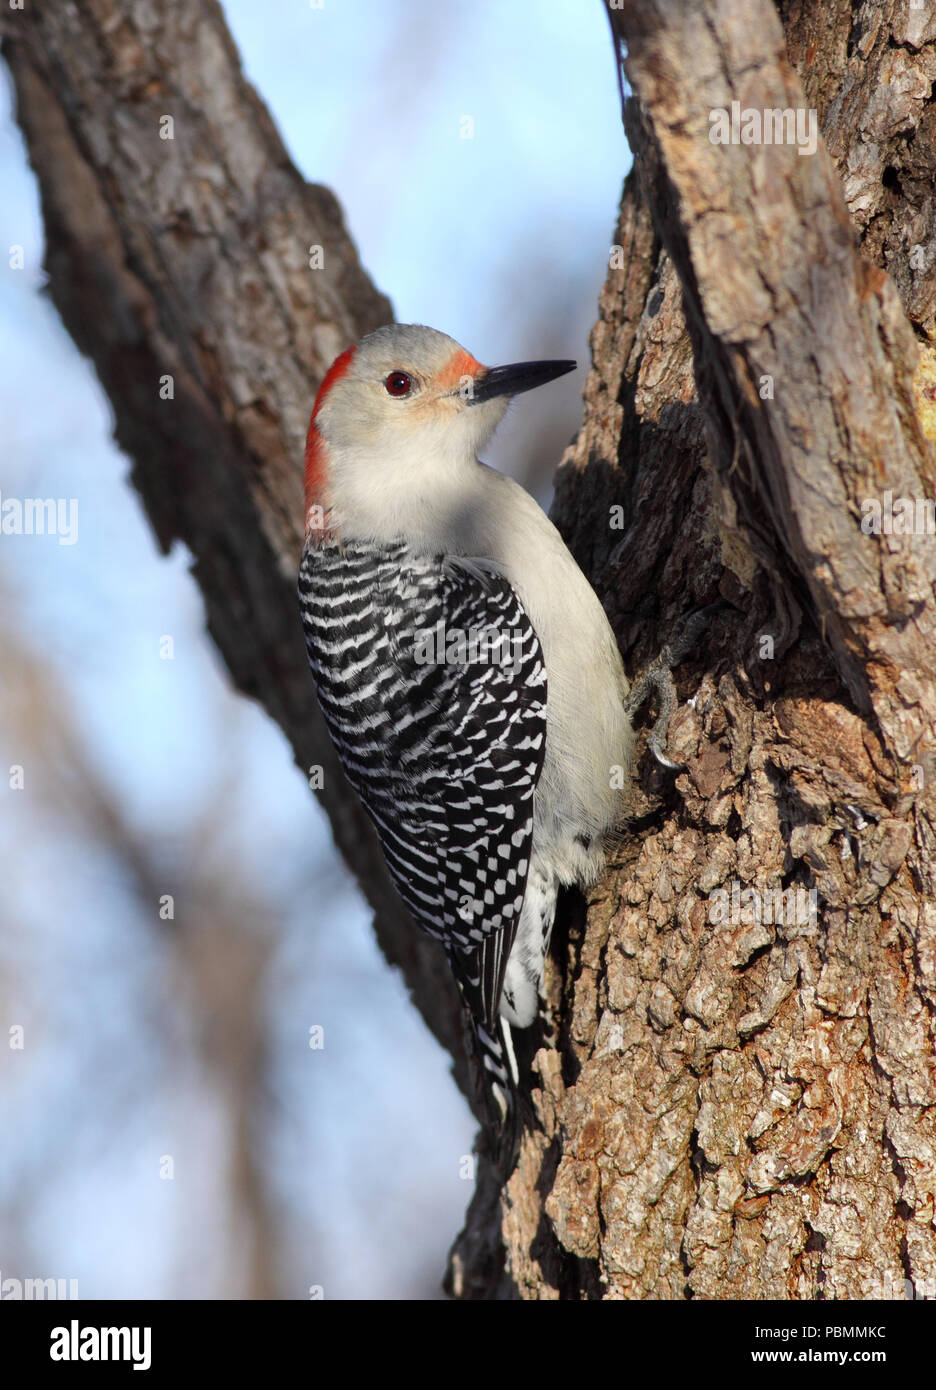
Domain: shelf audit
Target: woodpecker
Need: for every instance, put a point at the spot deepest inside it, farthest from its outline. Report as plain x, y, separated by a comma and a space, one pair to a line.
464, 665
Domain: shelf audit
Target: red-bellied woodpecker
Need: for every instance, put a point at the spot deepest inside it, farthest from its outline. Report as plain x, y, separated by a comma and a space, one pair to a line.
465, 667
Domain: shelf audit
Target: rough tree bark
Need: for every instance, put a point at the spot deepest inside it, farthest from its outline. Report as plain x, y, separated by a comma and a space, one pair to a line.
728, 1109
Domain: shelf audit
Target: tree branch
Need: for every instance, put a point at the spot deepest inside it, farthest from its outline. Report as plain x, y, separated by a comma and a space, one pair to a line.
189, 258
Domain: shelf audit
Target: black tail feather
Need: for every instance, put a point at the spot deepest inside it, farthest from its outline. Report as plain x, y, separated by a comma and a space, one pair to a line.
497, 1066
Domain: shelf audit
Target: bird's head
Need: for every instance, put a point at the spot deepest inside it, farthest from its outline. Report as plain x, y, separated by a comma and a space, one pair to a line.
397, 417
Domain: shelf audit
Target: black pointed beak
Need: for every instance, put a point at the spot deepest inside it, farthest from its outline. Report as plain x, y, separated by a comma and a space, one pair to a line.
519, 376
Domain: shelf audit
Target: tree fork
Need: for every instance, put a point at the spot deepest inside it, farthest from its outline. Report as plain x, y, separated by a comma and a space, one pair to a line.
727, 1109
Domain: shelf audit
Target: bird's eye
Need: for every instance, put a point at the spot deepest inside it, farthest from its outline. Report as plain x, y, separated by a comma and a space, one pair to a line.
399, 383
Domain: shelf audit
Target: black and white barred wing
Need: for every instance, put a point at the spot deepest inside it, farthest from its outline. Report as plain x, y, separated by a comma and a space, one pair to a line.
433, 684
488, 743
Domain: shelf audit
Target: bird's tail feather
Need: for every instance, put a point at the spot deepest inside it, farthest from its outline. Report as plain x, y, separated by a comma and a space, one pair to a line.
498, 1066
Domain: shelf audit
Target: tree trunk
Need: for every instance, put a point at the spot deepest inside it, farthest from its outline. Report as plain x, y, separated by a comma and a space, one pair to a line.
738, 1094
743, 1108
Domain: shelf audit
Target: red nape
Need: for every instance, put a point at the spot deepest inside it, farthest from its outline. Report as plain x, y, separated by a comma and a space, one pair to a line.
315, 447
